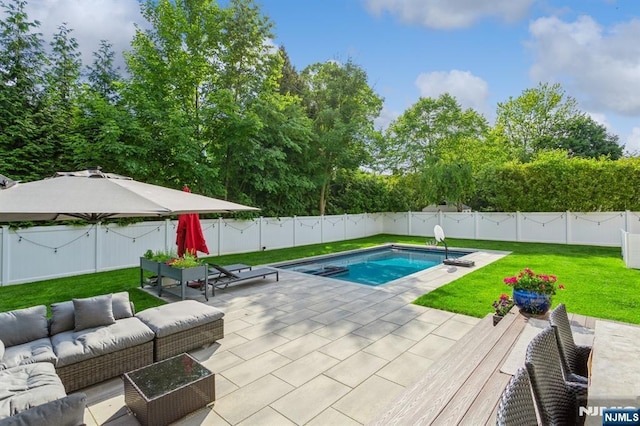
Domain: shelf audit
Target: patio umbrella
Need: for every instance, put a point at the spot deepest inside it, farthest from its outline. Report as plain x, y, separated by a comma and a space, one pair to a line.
94, 196
190, 238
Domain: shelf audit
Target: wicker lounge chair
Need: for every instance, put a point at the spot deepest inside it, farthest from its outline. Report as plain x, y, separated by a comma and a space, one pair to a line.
516, 406
557, 400
224, 277
574, 358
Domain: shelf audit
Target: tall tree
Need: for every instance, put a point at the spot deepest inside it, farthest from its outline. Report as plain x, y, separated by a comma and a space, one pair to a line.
62, 90
431, 129
102, 74
342, 106
111, 136
174, 69
249, 73
535, 119
290, 81
581, 136
22, 61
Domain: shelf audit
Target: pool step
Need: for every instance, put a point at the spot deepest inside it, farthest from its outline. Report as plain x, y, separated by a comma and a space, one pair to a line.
331, 270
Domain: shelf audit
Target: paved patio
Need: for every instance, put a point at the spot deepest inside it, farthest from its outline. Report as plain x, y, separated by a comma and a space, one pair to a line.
312, 350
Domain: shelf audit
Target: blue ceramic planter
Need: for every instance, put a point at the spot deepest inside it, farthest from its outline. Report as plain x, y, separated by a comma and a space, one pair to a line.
531, 302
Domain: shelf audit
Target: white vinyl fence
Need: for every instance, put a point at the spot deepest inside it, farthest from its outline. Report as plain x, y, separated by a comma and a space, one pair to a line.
45, 252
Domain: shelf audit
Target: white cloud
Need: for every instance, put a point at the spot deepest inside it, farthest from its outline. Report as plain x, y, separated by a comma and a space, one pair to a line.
632, 141
449, 14
385, 118
598, 66
91, 21
471, 91
600, 119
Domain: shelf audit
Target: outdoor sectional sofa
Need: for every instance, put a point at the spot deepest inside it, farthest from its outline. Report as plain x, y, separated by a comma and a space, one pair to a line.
88, 341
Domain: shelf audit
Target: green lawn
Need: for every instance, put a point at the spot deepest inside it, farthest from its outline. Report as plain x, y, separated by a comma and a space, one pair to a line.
597, 282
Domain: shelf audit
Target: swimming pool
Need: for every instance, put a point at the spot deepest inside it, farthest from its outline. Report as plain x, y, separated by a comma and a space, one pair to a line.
373, 266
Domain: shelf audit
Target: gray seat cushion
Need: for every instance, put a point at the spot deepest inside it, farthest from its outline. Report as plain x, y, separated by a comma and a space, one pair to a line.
75, 346
27, 386
28, 353
67, 411
172, 318
23, 325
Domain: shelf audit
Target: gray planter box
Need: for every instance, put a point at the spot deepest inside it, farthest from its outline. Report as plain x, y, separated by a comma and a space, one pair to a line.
183, 276
148, 265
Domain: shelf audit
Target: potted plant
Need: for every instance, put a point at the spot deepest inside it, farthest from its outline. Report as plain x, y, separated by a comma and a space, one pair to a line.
532, 292
501, 306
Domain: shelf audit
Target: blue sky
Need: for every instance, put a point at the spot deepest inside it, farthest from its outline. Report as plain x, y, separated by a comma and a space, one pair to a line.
480, 51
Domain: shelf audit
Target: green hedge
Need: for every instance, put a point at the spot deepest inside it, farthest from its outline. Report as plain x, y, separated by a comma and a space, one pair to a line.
554, 182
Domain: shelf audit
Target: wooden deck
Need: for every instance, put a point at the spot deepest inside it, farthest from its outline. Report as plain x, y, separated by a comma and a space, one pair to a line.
464, 388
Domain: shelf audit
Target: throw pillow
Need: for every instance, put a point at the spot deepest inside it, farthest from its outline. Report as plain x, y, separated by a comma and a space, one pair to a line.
93, 312
62, 317
121, 305
23, 325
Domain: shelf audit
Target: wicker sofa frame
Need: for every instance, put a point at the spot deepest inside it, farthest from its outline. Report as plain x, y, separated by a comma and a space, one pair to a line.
103, 367
193, 338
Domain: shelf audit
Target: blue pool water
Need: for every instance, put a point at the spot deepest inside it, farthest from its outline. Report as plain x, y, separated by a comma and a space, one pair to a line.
374, 267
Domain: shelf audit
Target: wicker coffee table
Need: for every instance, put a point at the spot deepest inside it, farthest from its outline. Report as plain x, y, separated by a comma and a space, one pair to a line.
166, 391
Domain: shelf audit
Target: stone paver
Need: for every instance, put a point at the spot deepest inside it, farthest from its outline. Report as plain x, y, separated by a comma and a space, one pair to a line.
312, 350
310, 399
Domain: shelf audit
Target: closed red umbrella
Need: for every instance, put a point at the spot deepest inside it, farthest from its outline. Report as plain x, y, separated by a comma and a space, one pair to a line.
189, 236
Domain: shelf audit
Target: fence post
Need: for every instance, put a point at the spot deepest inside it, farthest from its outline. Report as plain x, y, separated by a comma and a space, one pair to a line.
260, 245
518, 225
219, 236
409, 222
4, 256
344, 227
568, 228
295, 222
322, 229
627, 220
440, 218
366, 219
98, 247
476, 226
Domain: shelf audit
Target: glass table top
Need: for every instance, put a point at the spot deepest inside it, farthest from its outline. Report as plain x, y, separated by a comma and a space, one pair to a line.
170, 374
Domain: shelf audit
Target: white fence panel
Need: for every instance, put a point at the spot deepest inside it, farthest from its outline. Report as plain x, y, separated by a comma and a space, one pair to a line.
333, 228
633, 222
239, 236
278, 232
211, 232
542, 227
422, 223
395, 223
357, 226
459, 225
49, 252
121, 246
631, 249
596, 228
497, 226
375, 223
308, 230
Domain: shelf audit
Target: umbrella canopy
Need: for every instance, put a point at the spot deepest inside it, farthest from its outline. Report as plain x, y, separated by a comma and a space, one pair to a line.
93, 195
189, 236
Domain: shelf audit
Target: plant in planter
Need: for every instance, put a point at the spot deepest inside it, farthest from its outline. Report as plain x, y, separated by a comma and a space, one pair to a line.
188, 260
501, 306
159, 256
532, 292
